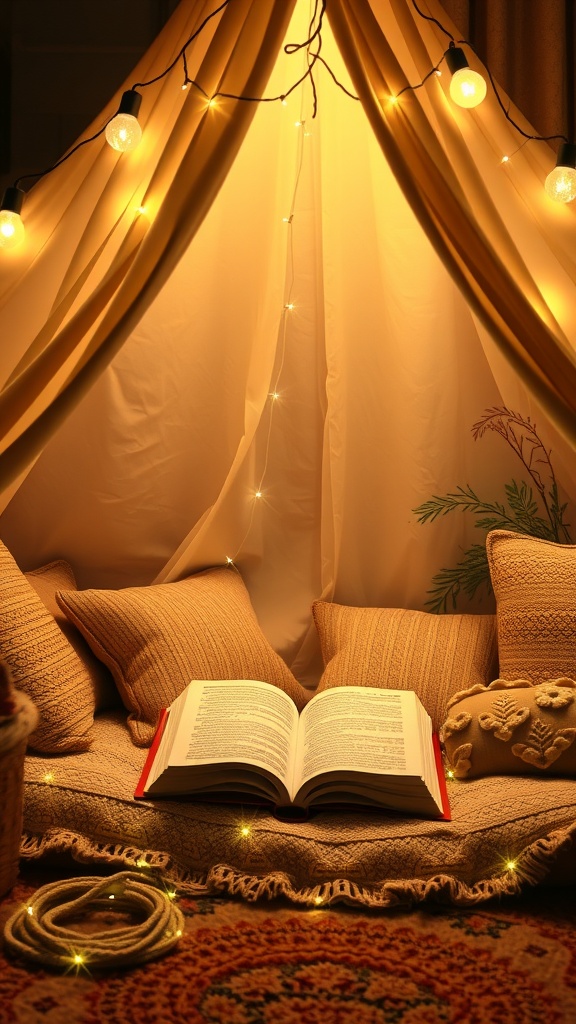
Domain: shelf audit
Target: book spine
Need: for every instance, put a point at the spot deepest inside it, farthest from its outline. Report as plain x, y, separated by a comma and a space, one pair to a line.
140, 791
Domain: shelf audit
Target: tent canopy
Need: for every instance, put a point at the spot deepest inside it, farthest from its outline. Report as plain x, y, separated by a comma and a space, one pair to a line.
284, 354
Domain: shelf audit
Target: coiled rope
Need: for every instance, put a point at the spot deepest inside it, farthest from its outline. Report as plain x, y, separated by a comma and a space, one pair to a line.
37, 931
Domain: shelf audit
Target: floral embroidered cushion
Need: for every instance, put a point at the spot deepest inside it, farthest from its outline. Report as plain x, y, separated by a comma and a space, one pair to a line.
403, 649
534, 582
156, 639
512, 728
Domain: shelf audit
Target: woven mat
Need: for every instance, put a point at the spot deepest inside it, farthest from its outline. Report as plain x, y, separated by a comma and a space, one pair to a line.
510, 961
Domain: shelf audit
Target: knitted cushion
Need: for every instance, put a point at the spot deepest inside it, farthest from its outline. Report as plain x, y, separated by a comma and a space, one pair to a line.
59, 576
156, 639
44, 664
534, 582
406, 650
512, 728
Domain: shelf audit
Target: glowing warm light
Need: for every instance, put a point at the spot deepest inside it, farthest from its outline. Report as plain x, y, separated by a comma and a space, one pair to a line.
289, 305
510, 865
11, 229
123, 132
450, 773
258, 494
229, 561
393, 100
274, 395
171, 894
245, 830
78, 958
212, 102
467, 88
298, 124
48, 777
318, 900
30, 910
505, 159
560, 184
179, 932
111, 896
142, 863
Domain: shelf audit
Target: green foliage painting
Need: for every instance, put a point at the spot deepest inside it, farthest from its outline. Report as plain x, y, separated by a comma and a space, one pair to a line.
528, 507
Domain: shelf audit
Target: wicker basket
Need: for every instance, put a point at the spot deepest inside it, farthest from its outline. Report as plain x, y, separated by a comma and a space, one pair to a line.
14, 734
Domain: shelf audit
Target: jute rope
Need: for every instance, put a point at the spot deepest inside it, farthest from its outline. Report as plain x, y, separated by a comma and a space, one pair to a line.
37, 932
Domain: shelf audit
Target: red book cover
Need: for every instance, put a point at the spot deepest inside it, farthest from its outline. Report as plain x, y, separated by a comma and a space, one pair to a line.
139, 792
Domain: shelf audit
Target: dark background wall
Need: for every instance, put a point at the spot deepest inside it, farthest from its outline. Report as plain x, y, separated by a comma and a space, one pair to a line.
60, 62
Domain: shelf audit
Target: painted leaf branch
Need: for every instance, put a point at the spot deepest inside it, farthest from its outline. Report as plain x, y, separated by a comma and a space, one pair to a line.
532, 508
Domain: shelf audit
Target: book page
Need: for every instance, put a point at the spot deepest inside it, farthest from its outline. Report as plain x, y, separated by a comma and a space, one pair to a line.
231, 721
355, 728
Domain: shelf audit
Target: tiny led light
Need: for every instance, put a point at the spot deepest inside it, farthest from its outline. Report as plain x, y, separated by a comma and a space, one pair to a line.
30, 911
318, 900
48, 777
511, 865
78, 958
244, 830
504, 159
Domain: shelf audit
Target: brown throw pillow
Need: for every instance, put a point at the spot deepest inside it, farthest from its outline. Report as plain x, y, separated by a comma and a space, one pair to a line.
405, 650
534, 583
156, 639
44, 664
512, 728
59, 576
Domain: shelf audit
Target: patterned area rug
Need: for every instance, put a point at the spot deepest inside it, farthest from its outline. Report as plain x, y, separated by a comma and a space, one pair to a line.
513, 961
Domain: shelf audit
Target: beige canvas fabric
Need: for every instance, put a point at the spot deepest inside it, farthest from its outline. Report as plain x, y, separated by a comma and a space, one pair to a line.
435, 655
44, 664
87, 809
156, 639
513, 728
534, 582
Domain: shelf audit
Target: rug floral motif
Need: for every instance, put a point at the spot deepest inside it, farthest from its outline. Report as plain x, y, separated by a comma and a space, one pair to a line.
508, 963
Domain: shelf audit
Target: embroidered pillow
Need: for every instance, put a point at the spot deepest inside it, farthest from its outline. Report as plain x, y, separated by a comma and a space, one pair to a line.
43, 663
512, 728
406, 650
156, 639
534, 582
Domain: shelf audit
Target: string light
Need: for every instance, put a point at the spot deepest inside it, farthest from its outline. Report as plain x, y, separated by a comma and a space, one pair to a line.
48, 778
123, 131
467, 87
511, 865
560, 184
11, 226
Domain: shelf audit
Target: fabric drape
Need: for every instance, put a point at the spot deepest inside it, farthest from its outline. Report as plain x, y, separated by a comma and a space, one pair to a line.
188, 165
302, 363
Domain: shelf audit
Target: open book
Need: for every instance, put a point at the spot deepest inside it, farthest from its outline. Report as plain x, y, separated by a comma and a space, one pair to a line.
244, 739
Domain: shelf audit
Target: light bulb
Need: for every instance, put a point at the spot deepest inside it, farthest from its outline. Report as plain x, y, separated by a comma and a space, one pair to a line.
11, 226
123, 132
467, 87
560, 184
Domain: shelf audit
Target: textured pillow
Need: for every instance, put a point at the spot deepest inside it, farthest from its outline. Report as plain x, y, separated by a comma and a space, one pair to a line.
156, 639
406, 650
44, 664
512, 728
59, 576
534, 582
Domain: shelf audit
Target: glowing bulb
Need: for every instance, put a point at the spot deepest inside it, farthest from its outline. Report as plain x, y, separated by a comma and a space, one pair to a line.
560, 184
467, 87
30, 911
123, 132
245, 830
318, 900
504, 159
78, 959
11, 226
171, 894
510, 865
393, 100
258, 494
450, 774
289, 305
49, 777
229, 561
